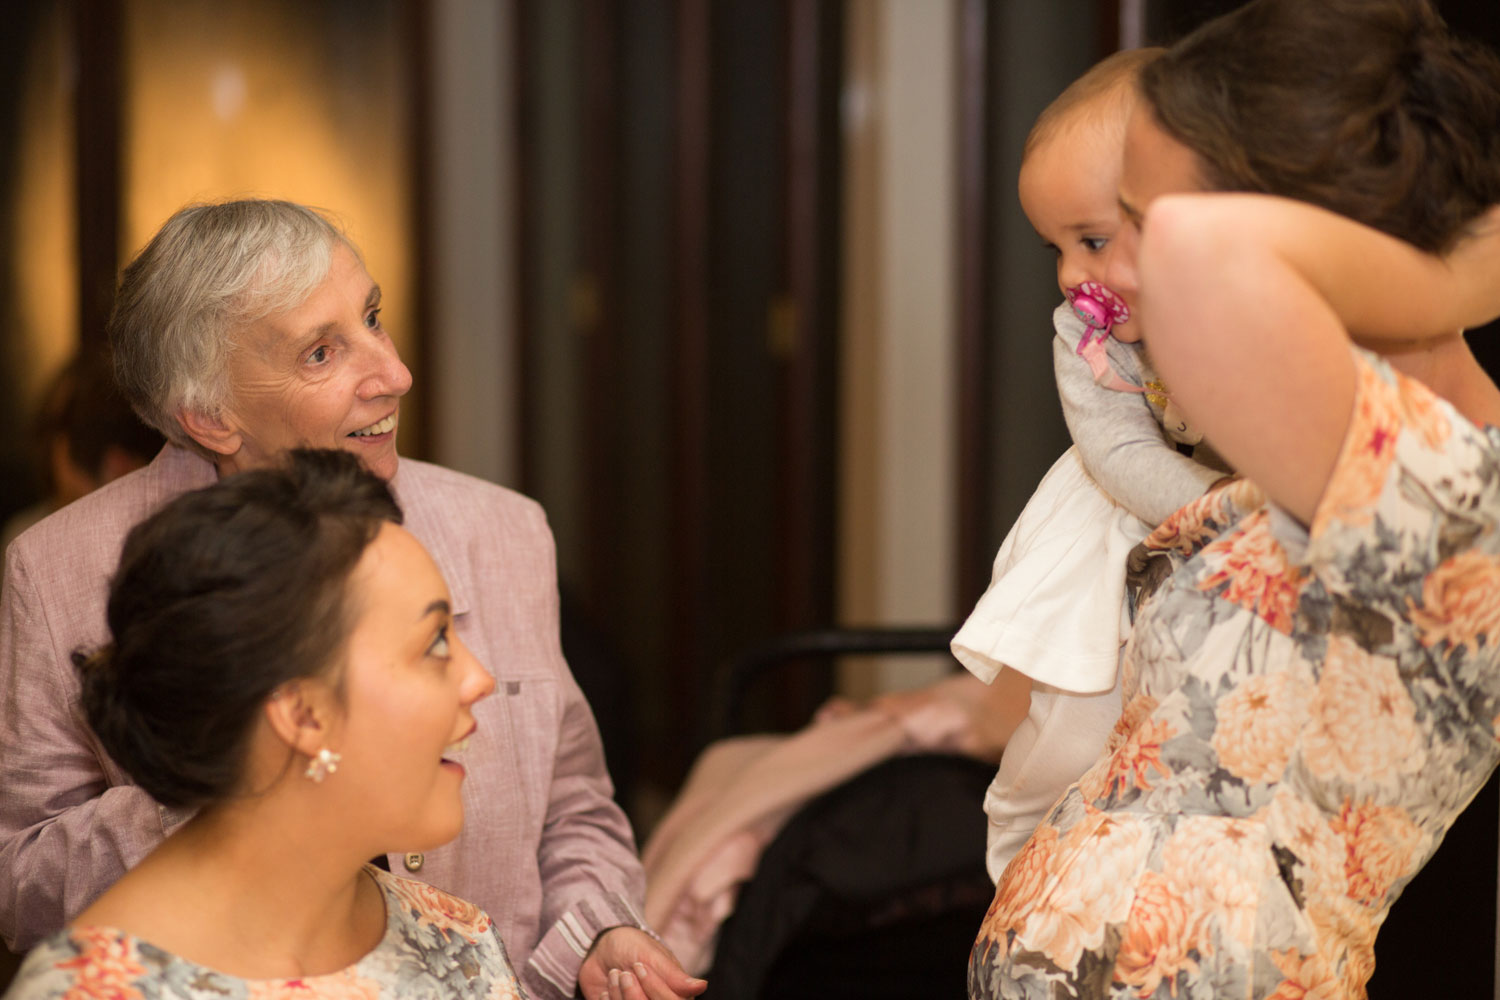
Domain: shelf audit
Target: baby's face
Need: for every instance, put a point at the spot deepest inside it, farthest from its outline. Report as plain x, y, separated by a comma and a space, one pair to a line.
1070, 198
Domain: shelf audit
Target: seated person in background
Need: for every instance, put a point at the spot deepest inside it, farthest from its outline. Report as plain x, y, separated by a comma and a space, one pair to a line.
743, 790
242, 330
86, 436
282, 658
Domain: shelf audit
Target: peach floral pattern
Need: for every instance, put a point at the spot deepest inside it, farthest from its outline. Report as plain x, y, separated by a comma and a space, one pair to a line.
1426, 417
1307, 835
1254, 572
1381, 842
1193, 525
442, 910
1131, 753
1024, 879
1131, 766
1349, 927
1091, 892
1159, 939
346, 985
106, 965
417, 957
1368, 454
1363, 724
1259, 723
1274, 779
1460, 602
1307, 977
1219, 864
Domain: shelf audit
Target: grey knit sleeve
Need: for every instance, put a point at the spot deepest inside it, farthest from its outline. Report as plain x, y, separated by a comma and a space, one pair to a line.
1118, 436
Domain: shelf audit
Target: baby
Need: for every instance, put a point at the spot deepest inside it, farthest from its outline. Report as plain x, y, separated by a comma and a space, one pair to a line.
1055, 609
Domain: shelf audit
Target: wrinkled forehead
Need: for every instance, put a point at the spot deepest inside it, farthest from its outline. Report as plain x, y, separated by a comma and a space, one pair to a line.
271, 311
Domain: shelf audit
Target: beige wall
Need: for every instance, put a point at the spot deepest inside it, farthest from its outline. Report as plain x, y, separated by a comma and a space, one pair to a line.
897, 383
471, 204
898, 481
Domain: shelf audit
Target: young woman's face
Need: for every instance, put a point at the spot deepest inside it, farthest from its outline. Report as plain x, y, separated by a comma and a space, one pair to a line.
1155, 164
409, 685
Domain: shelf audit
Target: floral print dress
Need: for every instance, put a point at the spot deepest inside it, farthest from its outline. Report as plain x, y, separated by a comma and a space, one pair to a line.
435, 946
1306, 712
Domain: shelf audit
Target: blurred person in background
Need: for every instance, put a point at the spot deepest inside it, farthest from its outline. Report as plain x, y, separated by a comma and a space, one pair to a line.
86, 436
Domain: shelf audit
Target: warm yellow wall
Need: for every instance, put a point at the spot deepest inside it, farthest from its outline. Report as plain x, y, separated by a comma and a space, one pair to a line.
237, 97
45, 279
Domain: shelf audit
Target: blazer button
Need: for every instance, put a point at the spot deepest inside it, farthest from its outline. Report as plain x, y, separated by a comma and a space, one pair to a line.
413, 862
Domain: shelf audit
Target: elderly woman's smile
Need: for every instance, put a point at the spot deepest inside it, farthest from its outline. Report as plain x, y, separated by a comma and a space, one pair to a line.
380, 427
321, 374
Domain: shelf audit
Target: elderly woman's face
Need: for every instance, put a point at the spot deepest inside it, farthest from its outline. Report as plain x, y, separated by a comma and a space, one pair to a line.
323, 374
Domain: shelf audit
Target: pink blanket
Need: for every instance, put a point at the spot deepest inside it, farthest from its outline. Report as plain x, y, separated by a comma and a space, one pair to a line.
742, 790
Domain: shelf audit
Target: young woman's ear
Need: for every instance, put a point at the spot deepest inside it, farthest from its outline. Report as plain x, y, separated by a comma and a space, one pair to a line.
298, 713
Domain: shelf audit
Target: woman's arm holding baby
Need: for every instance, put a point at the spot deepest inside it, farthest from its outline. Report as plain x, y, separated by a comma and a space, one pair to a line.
1250, 303
1382, 288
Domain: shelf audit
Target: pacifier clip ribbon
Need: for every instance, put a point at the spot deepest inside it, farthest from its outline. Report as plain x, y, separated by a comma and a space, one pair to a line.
1099, 309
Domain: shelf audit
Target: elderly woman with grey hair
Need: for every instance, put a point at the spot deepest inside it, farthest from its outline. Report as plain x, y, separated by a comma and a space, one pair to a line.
243, 330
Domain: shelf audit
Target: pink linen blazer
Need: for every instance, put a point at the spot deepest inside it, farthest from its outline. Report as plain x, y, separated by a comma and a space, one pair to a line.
545, 849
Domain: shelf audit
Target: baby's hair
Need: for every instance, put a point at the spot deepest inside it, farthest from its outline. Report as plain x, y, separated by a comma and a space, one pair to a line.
1113, 77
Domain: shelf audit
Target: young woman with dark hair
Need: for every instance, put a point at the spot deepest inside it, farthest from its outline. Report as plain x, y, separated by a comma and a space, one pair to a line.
282, 660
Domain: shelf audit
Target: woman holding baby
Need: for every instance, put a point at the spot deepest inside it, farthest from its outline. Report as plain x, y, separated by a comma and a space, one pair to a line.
1311, 692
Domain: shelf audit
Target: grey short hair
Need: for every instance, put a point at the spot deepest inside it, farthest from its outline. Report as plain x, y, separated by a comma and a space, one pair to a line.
210, 271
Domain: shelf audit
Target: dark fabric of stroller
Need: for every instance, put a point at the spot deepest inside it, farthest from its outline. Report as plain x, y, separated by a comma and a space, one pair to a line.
876, 889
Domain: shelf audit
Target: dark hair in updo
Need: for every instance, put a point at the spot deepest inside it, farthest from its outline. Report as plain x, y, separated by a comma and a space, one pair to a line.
222, 596
1369, 108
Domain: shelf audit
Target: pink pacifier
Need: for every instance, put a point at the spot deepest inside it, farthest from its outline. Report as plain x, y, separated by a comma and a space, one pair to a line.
1100, 309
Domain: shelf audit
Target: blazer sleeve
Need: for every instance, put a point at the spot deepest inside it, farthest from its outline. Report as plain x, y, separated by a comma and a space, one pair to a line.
591, 875
67, 832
